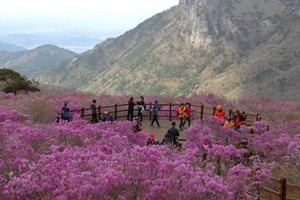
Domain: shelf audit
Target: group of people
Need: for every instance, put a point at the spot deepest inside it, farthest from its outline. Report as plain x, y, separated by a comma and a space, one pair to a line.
141, 107
234, 121
170, 138
65, 114
105, 117
184, 115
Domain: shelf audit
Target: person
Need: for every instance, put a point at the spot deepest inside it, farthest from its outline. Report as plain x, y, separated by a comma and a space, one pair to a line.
151, 140
154, 110
237, 120
65, 112
94, 112
243, 117
107, 117
180, 115
131, 105
187, 115
173, 132
219, 113
138, 127
167, 139
141, 108
229, 122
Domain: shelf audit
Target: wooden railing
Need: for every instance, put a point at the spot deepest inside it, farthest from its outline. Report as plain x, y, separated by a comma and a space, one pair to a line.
168, 111
282, 191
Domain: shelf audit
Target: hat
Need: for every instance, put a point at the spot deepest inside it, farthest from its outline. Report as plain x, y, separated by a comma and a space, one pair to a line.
105, 112
229, 118
219, 107
151, 136
156, 101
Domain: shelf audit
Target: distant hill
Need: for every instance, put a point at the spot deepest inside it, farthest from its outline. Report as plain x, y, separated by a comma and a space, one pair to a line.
32, 63
233, 48
10, 47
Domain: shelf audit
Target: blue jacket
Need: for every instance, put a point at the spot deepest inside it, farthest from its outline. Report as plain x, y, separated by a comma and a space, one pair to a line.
154, 109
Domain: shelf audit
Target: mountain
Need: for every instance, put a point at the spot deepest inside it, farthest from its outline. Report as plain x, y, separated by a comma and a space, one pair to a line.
233, 48
10, 47
32, 63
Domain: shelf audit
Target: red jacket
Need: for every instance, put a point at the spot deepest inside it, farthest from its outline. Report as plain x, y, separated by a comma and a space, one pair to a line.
220, 114
188, 111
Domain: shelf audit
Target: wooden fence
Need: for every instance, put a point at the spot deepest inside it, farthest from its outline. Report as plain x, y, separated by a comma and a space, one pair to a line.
168, 111
278, 189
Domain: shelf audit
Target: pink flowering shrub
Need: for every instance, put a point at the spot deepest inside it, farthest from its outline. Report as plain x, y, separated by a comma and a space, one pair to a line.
78, 160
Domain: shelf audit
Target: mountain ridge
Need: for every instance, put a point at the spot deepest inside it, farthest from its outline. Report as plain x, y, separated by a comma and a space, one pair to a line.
233, 48
32, 63
10, 47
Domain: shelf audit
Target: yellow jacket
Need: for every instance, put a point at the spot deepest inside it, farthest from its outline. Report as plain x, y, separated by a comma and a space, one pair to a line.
229, 124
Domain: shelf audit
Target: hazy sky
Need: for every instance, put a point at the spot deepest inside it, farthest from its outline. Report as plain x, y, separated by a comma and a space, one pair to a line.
88, 15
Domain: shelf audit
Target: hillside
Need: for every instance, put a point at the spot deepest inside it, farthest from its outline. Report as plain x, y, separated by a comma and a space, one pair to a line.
10, 47
32, 63
232, 48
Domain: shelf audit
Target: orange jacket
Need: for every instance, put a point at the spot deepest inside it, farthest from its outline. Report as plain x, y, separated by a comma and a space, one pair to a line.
180, 112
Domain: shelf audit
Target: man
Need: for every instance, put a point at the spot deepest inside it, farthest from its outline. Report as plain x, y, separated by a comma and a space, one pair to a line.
141, 108
94, 112
187, 115
173, 132
131, 105
154, 110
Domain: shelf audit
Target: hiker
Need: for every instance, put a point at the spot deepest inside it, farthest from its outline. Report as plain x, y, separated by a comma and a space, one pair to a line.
65, 112
94, 112
167, 139
237, 120
154, 110
173, 132
219, 113
141, 108
180, 115
243, 117
138, 127
187, 115
131, 105
107, 117
229, 122
151, 140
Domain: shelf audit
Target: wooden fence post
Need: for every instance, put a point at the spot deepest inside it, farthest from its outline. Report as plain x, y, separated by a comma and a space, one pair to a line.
170, 112
201, 112
82, 112
230, 112
150, 105
283, 189
116, 111
257, 117
214, 110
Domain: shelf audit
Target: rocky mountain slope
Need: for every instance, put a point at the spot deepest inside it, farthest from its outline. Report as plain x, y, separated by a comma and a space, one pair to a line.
33, 63
234, 48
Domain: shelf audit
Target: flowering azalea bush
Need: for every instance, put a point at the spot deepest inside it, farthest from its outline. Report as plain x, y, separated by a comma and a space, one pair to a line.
78, 160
